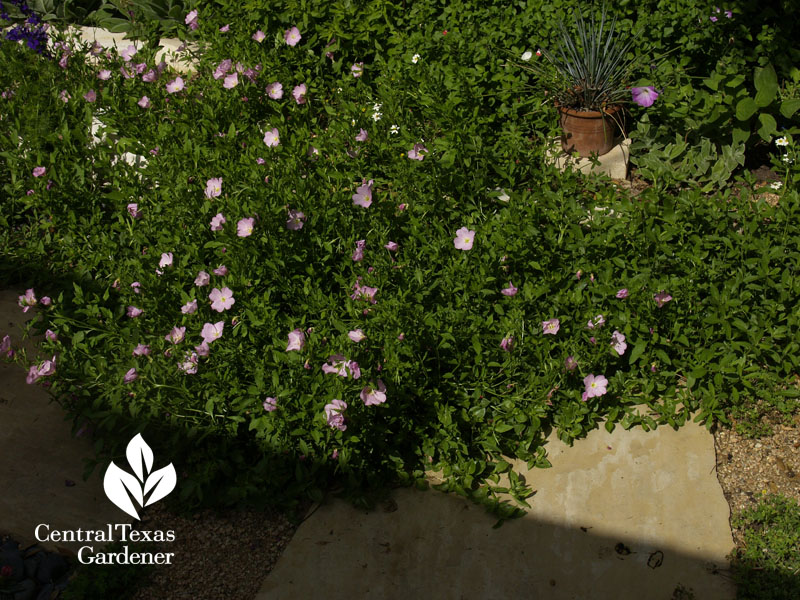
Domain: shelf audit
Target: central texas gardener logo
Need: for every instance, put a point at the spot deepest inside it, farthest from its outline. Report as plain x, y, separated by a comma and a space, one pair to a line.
122, 488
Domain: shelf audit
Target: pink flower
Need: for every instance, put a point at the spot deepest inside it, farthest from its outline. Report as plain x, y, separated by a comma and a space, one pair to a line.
136, 285
214, 188
570, 364
134, 312
104, 74
45, 301
595, 386
203, 349
231, 81
299, 93
244, 227
51, 335
392, 246
333, 413
362, 136
27, 301
292, 36
259, 36
175, 85
297, 339
222, 68
212, 332
644, 96
141, 350
133, 211
417, 152
128, 53
189, 308
202, 279
260, 161
510, 290
166, 260
271, 138
662, 298
221, 270
150, 77
363, 195
176, 335
358, 255
221, 299
364, 292
507, 343
144, 102
90, 96
551, 326
270, 404
5, 347
372, 396
464, 239
296, 219
48, 367
622, 294
217, 222
189, 366
357, 69
130, 376
224, 29
598, 322
39, 171
275, 90
356, 335
618, 342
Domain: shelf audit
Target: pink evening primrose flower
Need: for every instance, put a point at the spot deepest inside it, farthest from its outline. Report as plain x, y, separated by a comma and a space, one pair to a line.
622, 294
270, 404
141, 350
27, 301
372, 396
551, 326
90, 96
136, 285
133, 211
296, 219
662, 298
134, 312
51, 335
48, 367
130, 376
176, 335
189, 308
144, 102
275, 90
212, 332
510, 290
595, 385
217, 222
203, 349
362, 135
39, 171
297, 339
45, 301
222, 68
244, 227
356, 335
271, 138
598, 322
104, 74
231, 81
417, 152
464, 239
202, 279
128, 53
644, 96
333, 413
175, 85
214, 187
221, 299
191, 16
259, 36
166, 260
507, 343
299, 93
363, 195
358, 254
357, 69
292, 36
150, 76
618, 342
221, 270
224, 29
392, 246
189, 366
570, 364
5, 347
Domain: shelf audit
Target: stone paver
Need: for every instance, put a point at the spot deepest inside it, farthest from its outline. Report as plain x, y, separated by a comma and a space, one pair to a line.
614, 164
610, 505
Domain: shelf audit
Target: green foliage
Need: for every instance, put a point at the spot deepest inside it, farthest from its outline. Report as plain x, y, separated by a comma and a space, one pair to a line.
767, 566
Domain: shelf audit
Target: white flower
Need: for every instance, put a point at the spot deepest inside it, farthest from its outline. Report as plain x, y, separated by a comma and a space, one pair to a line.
353, 122
376, 116
785, 158
339, 90
782, 141
526, 56
776, 185
415, 59
394, 129
376, 107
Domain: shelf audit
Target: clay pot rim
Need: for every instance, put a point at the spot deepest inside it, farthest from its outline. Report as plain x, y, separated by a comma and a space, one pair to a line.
610, 110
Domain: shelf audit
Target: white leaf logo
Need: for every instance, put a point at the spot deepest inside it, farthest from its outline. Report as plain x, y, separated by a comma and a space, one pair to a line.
121, 486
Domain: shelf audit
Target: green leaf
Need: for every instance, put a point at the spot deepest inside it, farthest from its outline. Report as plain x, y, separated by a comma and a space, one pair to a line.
768, 126
746, 108
740, 135
766, 85
637, 351
789, 107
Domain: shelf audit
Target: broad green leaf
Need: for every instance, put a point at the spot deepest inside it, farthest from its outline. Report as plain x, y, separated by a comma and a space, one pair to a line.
789, 107
746, 108
766, 85
768, 126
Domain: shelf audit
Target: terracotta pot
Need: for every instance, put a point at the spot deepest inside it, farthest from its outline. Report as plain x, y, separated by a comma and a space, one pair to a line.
586, 132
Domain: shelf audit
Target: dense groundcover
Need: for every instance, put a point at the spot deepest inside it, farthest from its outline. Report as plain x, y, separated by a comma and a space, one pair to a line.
357, 218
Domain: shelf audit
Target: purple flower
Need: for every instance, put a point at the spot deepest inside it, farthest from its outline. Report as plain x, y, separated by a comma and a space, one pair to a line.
595, 385
339, 365
357, 69
221, 299
363, 195
271, 138
217, 222
50, 335
5, 347
299, 93
270, 404
203, 349
622, 294
90, 96
364, 292
362, 136
224, 29
45, 301
150, 76
202, 279
297, 339
133, 211
144, 102
222, 68
259, 36
176, 85
231, 81
333, 413
214, 188
130, 376
464, 239
275, 90
189, 308
598, 322
189, 366
176, 335
356, 335
141, 350
292, 36
134, 312
104, 74
644, 96
212, 332
507, 343
221, 270
729, 14
392, 246
372, 396
129, 52
39, 171
570, 364
510, 290
662, 298
618, 342
358, 255
551, 326
136, 285
296, 219
713, 19
244, 227
166, 260
417, 152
